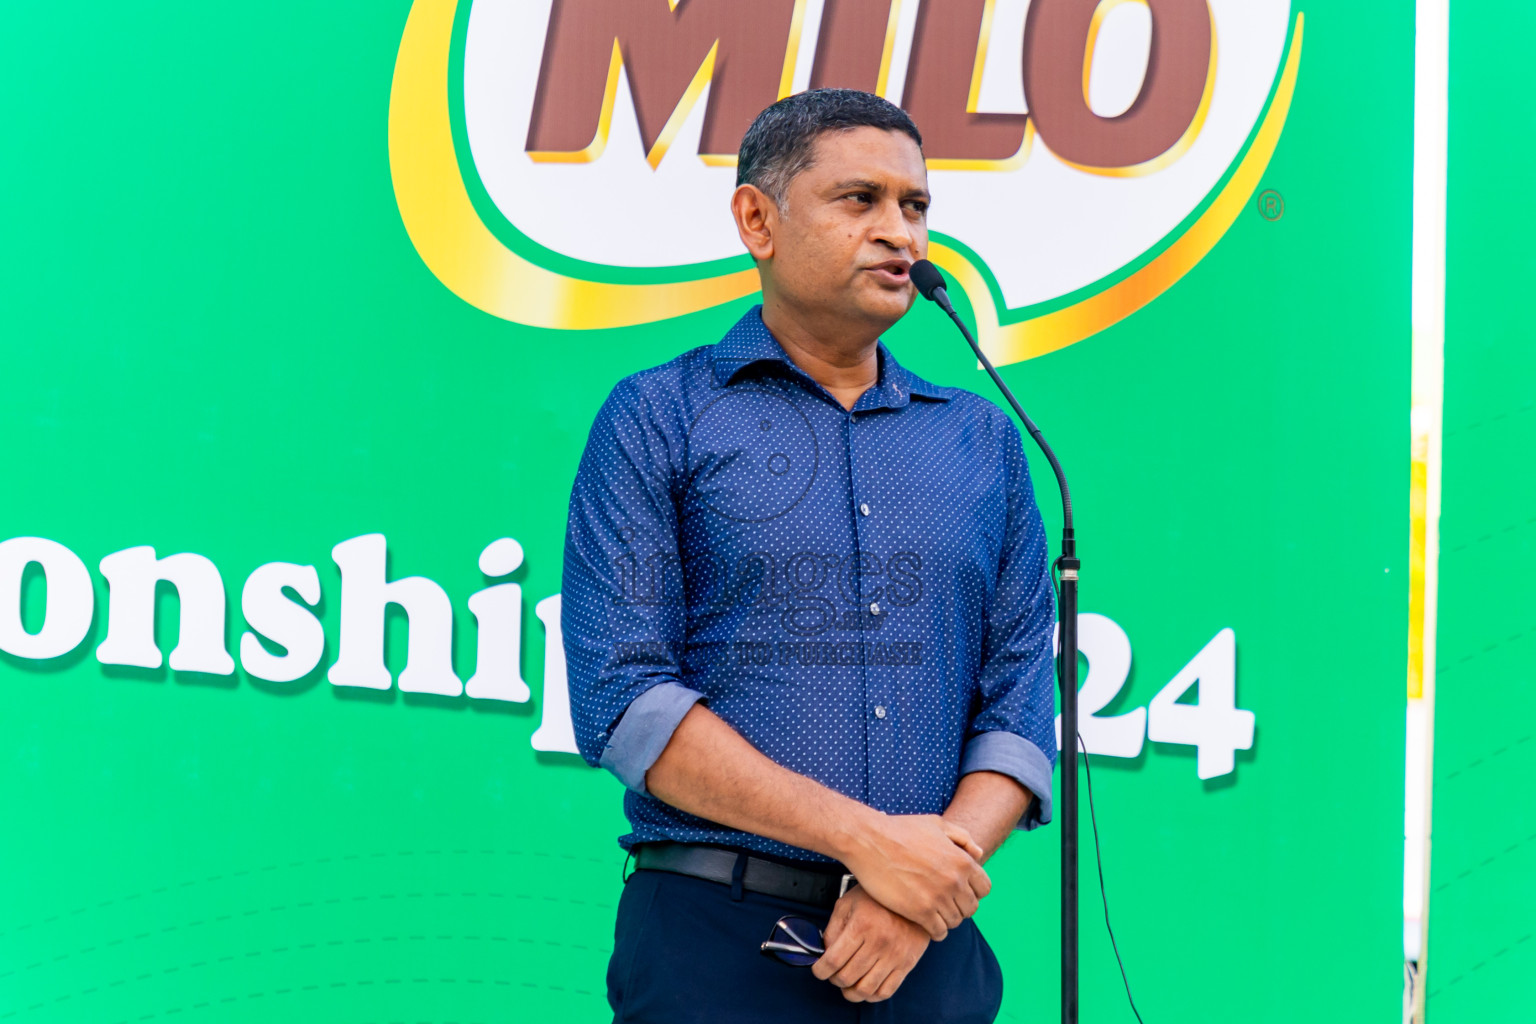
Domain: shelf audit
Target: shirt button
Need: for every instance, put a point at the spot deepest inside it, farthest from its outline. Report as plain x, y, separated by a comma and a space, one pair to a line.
874, 608
879, 710
864, 509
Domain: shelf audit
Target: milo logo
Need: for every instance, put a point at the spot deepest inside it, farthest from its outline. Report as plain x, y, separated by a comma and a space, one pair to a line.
1083, 154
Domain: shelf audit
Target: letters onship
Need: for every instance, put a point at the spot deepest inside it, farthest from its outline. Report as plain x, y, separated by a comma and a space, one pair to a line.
133, 574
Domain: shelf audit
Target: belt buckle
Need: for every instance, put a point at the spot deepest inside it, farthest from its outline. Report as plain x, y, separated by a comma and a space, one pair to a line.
848, 882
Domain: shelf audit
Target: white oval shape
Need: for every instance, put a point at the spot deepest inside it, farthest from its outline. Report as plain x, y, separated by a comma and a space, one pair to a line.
501, 557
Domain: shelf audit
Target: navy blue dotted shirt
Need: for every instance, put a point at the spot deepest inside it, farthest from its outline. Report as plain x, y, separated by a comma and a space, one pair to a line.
864, 595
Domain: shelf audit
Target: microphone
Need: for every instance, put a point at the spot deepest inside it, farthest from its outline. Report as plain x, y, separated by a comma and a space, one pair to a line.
930, 282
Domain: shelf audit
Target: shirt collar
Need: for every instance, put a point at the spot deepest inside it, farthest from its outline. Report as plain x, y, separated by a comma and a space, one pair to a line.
749, 342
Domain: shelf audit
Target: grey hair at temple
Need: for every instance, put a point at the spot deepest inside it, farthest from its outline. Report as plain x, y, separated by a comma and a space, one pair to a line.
781, 141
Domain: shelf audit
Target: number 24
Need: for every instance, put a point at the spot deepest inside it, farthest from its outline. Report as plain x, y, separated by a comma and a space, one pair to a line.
1214, 725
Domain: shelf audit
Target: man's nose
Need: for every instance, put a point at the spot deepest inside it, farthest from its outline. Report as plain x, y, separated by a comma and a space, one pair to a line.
892, 229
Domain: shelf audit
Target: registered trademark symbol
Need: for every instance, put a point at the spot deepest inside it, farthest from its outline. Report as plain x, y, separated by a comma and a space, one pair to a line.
1271, 204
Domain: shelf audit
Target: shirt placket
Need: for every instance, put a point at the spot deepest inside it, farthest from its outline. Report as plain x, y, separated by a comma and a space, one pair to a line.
876, 711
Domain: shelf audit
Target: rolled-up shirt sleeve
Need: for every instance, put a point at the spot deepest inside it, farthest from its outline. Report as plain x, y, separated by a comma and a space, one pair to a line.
623, 614
1013, 730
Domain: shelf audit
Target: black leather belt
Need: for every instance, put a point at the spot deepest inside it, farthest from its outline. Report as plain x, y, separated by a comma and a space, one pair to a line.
758, 874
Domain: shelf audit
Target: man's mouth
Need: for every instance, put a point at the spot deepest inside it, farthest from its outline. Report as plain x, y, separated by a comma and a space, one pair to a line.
891, 271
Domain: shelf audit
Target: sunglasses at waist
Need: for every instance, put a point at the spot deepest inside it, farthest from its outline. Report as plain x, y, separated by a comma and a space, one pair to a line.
818, 887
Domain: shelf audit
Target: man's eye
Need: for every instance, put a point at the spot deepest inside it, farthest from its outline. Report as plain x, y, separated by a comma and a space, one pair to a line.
862, 197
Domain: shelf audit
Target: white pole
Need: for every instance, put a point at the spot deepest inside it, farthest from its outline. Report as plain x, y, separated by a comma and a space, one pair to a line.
1431, 80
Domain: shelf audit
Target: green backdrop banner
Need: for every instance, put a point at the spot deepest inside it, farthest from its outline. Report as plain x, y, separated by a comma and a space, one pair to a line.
306, 323
1482, 884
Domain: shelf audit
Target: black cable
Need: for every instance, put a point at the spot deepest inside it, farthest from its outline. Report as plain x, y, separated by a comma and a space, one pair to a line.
1098, 859
1098, 856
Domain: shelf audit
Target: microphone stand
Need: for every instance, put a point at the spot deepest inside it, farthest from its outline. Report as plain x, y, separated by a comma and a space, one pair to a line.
930, 283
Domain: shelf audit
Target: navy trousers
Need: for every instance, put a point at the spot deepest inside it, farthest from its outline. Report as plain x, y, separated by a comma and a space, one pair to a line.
685, 951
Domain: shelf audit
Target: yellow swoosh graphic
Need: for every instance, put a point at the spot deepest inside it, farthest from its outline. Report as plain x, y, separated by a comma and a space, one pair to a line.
467, 258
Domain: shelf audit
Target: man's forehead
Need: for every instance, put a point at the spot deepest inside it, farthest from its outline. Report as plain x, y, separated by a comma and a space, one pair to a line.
890, 159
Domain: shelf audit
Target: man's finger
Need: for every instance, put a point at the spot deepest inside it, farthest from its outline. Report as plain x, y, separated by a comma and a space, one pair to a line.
981, 882
962, 838
857, 966
934, 925
837, 955
891, 983
867, 990
842, 913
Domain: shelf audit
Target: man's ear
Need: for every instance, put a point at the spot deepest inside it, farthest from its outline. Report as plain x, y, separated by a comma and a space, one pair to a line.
756, 218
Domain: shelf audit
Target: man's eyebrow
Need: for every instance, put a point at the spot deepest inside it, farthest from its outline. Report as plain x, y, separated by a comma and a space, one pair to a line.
870, 186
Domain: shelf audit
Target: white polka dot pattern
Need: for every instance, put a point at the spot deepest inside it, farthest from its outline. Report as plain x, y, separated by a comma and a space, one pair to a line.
863, 595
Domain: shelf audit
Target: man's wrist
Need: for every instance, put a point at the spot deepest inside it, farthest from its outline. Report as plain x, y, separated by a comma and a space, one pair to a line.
853, 832
984, 805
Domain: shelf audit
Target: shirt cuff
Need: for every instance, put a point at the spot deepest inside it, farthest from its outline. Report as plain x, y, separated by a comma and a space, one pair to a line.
644, 730
1012, 755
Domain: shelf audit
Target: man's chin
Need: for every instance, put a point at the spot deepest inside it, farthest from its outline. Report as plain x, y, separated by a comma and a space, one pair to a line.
883, 305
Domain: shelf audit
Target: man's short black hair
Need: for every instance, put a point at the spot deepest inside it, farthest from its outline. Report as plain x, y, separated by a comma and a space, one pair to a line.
782, 139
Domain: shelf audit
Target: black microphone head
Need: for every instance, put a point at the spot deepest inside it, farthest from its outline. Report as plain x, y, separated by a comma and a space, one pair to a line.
927, 278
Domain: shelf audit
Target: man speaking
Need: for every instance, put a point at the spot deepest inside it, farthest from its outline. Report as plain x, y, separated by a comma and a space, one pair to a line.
809, 621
